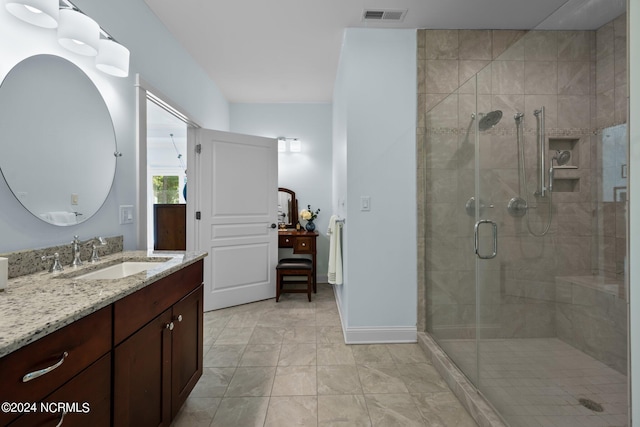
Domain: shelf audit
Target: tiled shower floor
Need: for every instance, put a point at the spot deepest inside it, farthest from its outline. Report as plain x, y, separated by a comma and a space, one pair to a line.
537, 382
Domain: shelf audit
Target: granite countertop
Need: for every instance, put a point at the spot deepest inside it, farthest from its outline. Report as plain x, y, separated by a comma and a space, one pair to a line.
36, 305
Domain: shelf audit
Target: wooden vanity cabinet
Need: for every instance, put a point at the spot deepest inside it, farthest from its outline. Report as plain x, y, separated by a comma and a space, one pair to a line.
134, 362
84, 342
157, 366
89, 397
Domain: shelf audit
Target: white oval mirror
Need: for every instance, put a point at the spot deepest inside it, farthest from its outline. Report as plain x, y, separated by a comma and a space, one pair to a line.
57, 141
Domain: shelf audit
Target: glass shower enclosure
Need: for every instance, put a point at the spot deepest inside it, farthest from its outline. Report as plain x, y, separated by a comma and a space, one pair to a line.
525, 200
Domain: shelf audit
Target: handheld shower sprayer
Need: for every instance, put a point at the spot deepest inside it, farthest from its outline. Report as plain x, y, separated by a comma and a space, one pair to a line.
562, 157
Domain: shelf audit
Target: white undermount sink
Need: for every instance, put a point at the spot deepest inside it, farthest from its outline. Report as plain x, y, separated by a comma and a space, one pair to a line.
121, 270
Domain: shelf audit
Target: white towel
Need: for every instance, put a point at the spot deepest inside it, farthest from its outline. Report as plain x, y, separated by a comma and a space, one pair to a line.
61, 218
335, 251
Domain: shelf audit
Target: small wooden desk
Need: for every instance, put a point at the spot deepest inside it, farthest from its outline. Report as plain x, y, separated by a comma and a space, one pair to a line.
302, 242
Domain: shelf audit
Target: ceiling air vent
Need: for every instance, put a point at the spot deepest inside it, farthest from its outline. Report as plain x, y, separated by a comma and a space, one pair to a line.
384, 15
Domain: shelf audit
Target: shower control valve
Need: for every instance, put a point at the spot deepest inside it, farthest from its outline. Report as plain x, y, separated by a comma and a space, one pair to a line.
517, 207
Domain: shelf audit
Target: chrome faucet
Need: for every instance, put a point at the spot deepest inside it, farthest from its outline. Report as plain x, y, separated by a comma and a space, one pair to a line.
55, 266
94, 248
76, 252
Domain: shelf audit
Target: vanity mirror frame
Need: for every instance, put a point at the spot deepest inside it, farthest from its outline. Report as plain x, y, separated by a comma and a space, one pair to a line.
293, 206
59, 154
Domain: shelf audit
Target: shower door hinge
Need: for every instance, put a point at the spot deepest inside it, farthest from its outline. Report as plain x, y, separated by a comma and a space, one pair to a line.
198, 215
198, 148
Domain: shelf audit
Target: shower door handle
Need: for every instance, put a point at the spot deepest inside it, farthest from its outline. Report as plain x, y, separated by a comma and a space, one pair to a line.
477, 238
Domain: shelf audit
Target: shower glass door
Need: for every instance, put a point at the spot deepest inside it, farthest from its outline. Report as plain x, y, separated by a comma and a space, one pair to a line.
452, 209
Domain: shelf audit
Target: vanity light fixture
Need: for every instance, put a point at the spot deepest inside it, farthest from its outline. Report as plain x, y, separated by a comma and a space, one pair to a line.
294, 145
282, 144
42, 13
112, 58
78, 33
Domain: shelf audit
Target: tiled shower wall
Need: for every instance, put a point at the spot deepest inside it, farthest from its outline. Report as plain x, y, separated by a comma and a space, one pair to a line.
577, 77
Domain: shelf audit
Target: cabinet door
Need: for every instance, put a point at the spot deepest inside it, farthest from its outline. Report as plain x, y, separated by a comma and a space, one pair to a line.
186, 348
88, 396
83, 342
142, 376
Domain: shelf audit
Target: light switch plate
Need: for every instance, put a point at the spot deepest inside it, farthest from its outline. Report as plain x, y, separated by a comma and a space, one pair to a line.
365, 203
126, 214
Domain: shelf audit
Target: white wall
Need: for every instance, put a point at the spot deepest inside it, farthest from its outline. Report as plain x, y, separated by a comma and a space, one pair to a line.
159, 59
375, 103
634, 203
308, 173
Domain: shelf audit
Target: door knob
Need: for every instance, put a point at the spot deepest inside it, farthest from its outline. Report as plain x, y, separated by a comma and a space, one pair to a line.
273, 225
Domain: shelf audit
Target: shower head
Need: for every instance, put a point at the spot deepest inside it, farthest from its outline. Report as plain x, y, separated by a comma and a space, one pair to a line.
562, 157
489, 120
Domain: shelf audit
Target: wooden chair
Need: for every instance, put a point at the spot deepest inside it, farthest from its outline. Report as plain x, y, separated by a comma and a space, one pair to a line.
297, 267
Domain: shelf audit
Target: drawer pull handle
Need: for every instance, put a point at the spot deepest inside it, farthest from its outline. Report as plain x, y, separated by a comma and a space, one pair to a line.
169, 326
35, 374
61, 419
304, 244
178, 318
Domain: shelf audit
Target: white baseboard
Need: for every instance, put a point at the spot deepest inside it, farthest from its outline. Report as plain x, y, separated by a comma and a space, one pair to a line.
376, 334
380, 335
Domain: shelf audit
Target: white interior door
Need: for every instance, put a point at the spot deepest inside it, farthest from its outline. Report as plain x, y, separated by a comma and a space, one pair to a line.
236, 180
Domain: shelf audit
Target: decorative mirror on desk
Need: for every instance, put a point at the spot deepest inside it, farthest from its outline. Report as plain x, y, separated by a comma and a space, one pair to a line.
287, 208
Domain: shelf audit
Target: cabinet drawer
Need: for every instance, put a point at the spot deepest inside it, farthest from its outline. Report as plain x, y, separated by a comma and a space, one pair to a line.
84, 341
89, 396
304, 245
134, 311
285, 241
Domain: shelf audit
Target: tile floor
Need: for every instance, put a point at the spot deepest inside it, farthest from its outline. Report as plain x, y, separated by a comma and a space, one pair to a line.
285, 364
537, 382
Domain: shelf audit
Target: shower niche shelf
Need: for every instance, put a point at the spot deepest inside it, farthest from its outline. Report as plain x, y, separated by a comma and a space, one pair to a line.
566, 185
565, 180
572, 145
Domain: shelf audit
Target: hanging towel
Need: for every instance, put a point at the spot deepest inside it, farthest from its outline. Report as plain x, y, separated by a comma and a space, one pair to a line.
335, 251
60, 218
